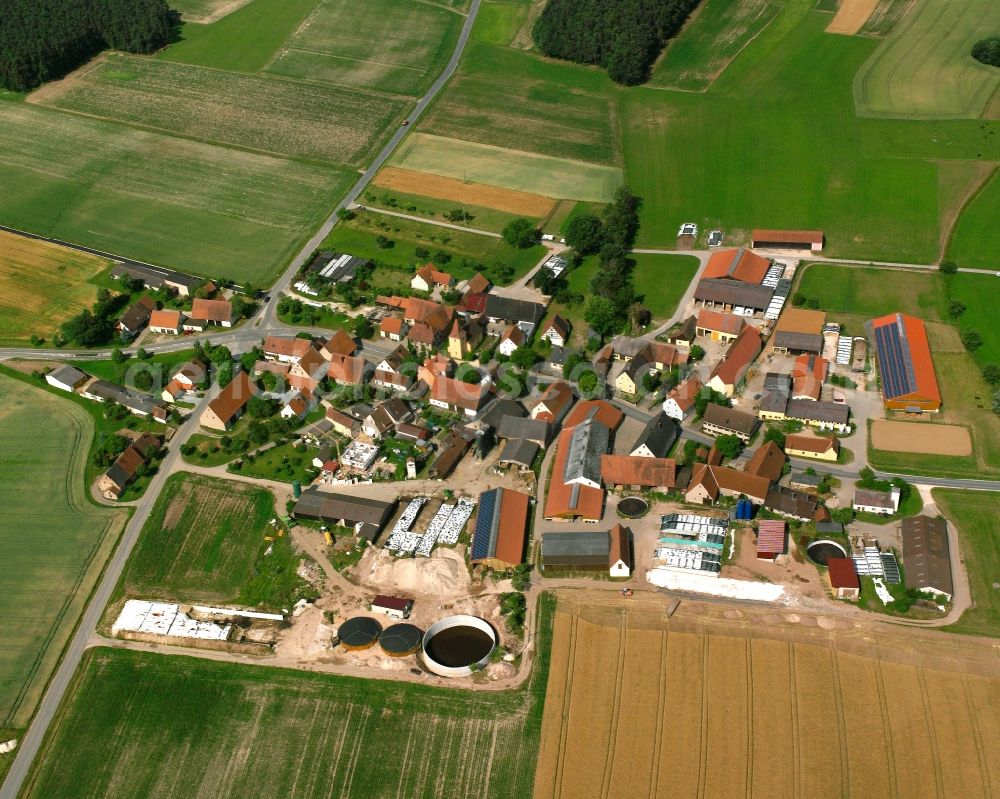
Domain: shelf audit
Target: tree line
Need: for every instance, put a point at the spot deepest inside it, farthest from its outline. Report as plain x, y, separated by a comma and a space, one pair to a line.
622, 36
44, 39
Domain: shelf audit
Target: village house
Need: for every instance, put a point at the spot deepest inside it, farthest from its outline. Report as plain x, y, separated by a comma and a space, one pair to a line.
720, 421
343, 423
348, 370
136, 317
286, 349
166, 322
393, 328
225, 409
556, 331
808, 373
657, 438
512, 339
709, 482
882, 503
126, 466
684, 334
554, 403
722, 327
216, 312
729, 374
768, 461
339, 343
637, 473
822, 448
629, 381
682, 399
381, 422
428, 278
393, 373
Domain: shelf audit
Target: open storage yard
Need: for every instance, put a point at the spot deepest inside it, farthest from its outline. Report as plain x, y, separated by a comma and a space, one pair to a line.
717, 703
41, 286
164, 727
54, 540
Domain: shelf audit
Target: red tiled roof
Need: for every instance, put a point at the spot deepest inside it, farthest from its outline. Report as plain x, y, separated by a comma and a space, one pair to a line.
606, 413
562, 500
212, 310
719, 322
431, 275
391, 325
232, 398
478, 285
916, 343
810, 443
737, 264
287, 346
788, 236
512, 526
515, 334
458, 393
349, 369
843, 573
556, 398
473, 302
739, 356
634, 470
171, 319
686, 394
768, 461
771, 536
619, 549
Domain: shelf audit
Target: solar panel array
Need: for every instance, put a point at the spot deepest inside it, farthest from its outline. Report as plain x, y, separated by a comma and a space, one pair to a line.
891, 568
894, 361
484, 524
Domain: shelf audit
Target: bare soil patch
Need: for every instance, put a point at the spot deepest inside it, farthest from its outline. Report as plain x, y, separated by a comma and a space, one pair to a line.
443, 188
928, 438
851, 16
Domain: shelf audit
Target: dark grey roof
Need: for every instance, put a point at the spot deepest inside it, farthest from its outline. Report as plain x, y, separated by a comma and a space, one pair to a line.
826, 528
330, 507
733, 292
659, 436
730, 419
68, 375
777, 381
519, 451
926, 553
576, 547
155, 276
513, 310
501, 408
133, 400
799, 342
832, 412
628, 347
135, 317
587, 443
791, 503
802, 478
535, 430
774, 402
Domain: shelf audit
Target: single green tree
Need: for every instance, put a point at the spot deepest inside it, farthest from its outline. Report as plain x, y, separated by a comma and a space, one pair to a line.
521, 233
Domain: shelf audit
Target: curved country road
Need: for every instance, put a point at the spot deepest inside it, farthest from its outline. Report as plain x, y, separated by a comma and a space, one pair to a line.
265, 321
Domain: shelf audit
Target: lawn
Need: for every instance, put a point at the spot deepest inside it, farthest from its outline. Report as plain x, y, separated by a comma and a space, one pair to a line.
662, 281
716, 33
253, 112
193, 206
872, 292
924, 69
284, 463
160, 366
395, 46
975, 240
205, 542
359, 237
419, 205
974, 514
41, 286
244, 41
978, 292
510, 169
54, 540
163, 727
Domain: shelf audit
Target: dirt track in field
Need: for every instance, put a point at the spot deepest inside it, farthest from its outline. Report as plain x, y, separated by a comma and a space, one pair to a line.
922, 437
722, 702
442, 188
851, 16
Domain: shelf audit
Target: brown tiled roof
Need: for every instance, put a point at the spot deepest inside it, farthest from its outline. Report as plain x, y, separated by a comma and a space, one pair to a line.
602, 410
232, 398
730, 419
340, 343
801, 320
809, 443
459, 393
478, 285
432, 275
723, 477
556, 398
349, 369
788, 236
473, 302
515, 334
720, 322
768, 461
393, 378
619, 549
391, 325
843, 573
341, 418
738, 264
171, 319
739, 356
564, 500
287, 346
926, 553
212, 310
666, 354
636, 470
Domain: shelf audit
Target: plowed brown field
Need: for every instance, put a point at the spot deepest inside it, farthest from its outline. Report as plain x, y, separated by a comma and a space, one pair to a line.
443, 188
642, 706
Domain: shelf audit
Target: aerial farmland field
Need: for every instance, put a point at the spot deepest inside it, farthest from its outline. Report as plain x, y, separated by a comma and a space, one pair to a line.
54, 539
923, 69
197, 207
394, 46
164, 727
42, 285
760, 708
206, 11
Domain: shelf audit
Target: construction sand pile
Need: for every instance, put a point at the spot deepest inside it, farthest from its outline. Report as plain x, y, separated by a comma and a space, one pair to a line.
443, 574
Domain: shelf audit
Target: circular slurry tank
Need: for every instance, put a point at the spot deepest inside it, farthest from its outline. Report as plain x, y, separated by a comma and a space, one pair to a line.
401, 639
633, 507
822, 549
458, 645
360, 632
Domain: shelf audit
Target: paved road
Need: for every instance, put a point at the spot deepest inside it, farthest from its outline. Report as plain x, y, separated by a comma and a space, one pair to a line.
265, 321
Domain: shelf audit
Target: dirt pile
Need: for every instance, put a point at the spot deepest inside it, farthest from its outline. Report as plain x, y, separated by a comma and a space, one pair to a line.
444, 574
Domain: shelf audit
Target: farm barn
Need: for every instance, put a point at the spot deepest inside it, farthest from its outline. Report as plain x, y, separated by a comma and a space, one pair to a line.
498, 538
764, 239
904, 364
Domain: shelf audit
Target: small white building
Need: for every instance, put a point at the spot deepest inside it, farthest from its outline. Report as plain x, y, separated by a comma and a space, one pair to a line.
882, 503
511, 340
395, 607
66, 378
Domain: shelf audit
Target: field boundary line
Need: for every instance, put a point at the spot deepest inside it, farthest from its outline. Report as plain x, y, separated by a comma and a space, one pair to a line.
796, 741
931, 732
281, 75
977, 735
703, 755
838, 692
969, 198
406, 760
489, 765
567, 703
890, 760
443, 7
748, 657
609, 753
661, 700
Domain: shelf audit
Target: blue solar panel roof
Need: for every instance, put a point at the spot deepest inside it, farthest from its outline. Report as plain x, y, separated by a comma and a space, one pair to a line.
484, 525
895, 364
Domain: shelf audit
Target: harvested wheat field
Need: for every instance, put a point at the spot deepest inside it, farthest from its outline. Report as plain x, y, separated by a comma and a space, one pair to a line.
442, 188
42, 285
720, 702
923, 437
851, 16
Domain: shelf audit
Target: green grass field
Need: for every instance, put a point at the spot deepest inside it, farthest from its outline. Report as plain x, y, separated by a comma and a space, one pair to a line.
713, 37
244, 41
289, 118
974, 514
975, 241
204, 542
358, 237
431, 208
210, 210
978, 292
871, 292
54, 540
205, 11
393, 46
662, 280
885, 17
162, 727
284, 463
496, 166
924, 69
